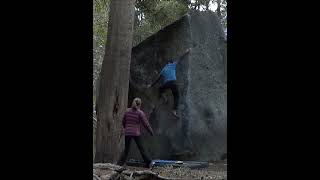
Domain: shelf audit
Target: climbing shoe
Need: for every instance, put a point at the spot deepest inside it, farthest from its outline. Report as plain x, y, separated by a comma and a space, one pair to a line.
174, 113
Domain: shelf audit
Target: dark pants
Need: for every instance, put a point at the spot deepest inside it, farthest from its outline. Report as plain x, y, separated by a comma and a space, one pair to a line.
174, 89
124, 155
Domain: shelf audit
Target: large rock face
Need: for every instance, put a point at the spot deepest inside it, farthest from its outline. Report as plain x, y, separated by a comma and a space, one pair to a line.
201, 131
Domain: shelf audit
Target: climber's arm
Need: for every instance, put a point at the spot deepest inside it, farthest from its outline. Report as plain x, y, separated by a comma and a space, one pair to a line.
176, 60
156, 81
145, 123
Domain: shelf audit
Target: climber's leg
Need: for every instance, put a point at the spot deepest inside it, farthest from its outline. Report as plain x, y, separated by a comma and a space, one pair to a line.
174, 89
162, 89
175, 94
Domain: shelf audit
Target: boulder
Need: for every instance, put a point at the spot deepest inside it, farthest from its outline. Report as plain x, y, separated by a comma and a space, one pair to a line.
201, 131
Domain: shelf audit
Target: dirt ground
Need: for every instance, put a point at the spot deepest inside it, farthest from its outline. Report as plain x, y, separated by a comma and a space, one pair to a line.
215, 171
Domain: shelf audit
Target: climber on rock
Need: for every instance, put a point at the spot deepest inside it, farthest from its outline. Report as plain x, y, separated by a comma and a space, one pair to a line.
168, 73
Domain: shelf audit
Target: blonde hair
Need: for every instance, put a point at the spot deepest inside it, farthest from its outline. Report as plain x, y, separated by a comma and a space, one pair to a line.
136, 103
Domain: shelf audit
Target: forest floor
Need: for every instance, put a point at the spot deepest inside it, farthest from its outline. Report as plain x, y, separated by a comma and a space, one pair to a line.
215, 171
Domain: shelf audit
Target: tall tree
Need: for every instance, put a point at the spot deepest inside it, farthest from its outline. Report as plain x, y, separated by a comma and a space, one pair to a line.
114, 83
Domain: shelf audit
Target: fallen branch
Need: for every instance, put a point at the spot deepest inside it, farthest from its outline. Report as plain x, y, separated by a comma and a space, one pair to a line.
119, 172
109, 166
131, 176
95, 177
147, 174
113, 176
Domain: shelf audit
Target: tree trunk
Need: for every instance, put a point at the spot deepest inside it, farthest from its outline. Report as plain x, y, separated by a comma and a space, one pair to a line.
114, 81
198, 5
219, 8
207, 4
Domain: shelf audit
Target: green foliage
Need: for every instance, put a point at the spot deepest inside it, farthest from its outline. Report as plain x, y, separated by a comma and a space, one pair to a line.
224, 13
167, 12
143, 31
100, 20
155, 15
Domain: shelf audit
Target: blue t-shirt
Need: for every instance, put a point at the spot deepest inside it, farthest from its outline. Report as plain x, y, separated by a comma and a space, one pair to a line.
169, 72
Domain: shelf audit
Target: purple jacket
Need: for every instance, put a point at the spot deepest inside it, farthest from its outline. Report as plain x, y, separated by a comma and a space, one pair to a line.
132, 121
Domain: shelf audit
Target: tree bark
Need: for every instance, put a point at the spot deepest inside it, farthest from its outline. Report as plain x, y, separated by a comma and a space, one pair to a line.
114, 81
